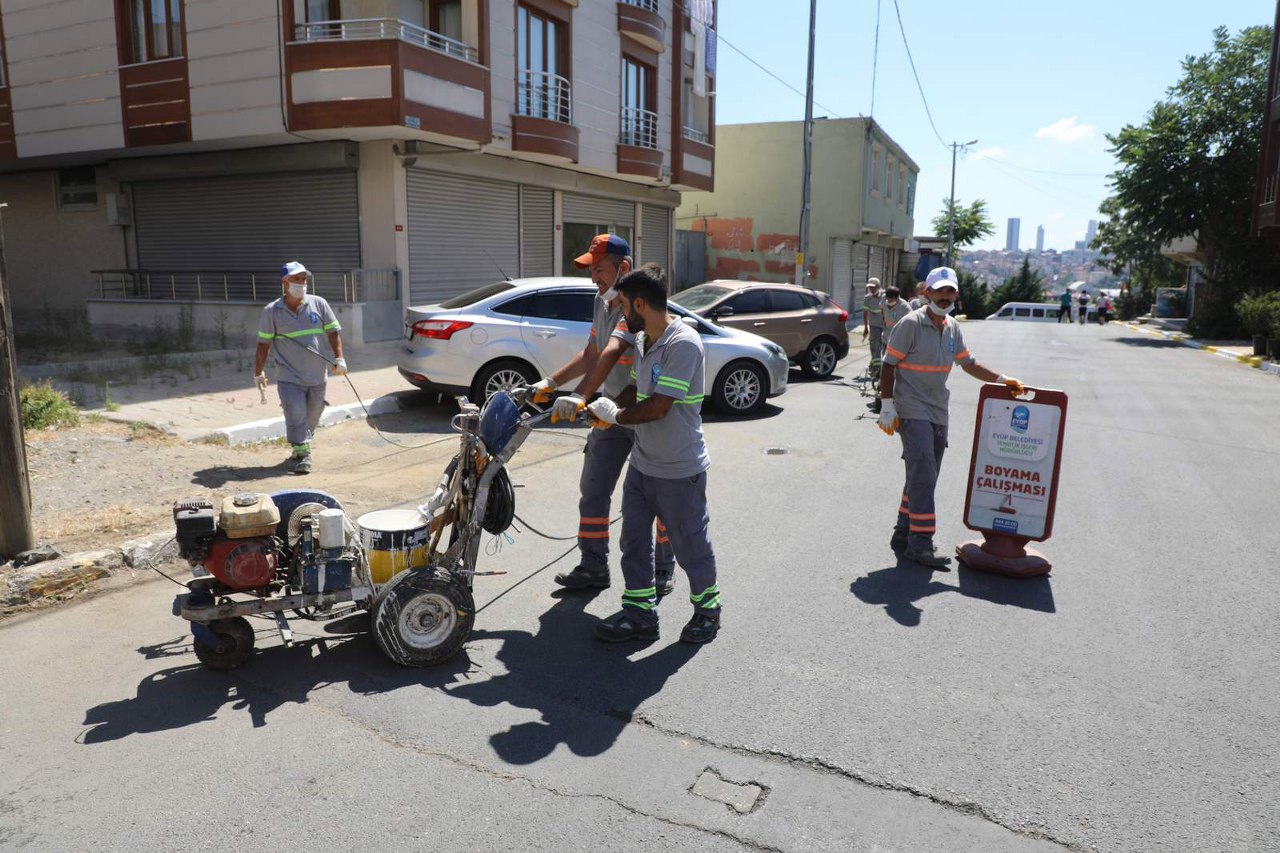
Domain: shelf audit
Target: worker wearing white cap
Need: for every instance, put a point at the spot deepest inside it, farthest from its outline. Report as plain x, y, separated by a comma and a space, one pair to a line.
873, 318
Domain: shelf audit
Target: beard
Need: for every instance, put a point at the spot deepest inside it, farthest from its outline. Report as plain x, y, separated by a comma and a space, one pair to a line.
635, 323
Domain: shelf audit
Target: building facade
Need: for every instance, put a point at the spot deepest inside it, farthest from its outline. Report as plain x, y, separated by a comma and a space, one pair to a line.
862, 204
1266, 219
1012, 235
159, 157
1039, 238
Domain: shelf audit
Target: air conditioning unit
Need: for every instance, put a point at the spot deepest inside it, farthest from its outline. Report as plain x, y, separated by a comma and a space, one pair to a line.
118, 211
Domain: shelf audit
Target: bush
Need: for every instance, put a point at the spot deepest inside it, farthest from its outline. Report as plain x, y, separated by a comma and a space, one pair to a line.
45, 407
1260, 314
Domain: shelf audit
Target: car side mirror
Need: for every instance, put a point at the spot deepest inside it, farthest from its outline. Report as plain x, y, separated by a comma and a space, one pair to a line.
725, 311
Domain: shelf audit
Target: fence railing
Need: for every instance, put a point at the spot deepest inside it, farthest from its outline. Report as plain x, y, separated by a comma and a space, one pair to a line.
358, 29
339, 286
696, 135
543, 95
639, 127
651, 5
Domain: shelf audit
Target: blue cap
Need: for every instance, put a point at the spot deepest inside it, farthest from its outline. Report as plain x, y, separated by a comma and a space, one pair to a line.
601, 245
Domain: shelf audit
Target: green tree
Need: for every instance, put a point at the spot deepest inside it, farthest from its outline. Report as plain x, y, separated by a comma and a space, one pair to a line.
974, 297
1026, 286
971, 223
1189, 169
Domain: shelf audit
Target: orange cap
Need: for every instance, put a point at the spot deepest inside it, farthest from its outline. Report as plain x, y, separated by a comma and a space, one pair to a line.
601, 245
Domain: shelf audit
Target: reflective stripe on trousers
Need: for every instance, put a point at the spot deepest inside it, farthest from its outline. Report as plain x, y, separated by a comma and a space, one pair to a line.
606, 452
923, 444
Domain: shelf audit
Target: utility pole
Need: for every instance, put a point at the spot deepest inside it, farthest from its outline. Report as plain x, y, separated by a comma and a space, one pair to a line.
951, 207
802, 251
16, 534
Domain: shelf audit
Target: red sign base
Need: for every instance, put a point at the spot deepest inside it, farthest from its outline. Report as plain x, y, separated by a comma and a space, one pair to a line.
999, 554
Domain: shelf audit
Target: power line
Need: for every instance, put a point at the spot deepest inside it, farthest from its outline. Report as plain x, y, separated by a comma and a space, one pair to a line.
923, 99
743, 54
1044, 171
875, 62
1037, 188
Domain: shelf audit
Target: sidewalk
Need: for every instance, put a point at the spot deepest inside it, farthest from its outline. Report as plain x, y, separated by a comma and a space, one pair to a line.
1174, 330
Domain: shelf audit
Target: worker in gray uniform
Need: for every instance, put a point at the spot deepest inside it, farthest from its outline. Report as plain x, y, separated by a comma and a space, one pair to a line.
919, 356
667, 476
603, 363
873, 318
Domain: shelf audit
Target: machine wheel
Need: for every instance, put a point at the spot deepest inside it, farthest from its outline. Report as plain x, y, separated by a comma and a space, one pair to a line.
235, 644
502, 375
422, 617
741, 388
819, 360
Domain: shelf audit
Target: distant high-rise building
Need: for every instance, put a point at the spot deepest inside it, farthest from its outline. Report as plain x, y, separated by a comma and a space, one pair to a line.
1011, 240
1039, 238
1091, 232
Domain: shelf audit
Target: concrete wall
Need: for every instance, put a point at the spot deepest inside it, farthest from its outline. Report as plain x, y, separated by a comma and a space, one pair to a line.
50, 251
222, 325
233, 63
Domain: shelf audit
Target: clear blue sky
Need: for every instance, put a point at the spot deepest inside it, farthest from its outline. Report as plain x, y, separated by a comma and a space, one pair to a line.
1037, 84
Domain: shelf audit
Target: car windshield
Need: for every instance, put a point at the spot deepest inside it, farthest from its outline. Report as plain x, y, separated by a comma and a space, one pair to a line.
699, 297
471, 297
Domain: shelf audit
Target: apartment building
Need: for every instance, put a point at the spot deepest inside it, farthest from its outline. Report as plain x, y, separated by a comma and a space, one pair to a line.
166, 156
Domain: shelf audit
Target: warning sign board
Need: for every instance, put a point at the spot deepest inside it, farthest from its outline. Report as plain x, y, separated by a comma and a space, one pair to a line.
1013, 474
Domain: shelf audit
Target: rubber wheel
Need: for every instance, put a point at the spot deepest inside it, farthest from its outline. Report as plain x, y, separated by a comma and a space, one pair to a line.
422, 617
741, 388
819, 360
235, 644
502, 375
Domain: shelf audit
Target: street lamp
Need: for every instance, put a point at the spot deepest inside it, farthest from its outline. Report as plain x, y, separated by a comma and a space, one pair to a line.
951, 208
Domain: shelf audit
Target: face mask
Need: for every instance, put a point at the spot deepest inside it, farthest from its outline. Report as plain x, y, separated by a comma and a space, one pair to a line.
938, 310
297, 291
610, 294
892, 300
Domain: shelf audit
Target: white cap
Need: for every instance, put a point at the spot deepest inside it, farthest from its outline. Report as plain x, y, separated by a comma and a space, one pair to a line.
873, 280
292, 268
942, 277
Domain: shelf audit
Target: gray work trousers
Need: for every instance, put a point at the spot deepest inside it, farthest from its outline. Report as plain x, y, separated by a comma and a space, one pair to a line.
606, 452
683, 503
923, 443
303, 405
876, 339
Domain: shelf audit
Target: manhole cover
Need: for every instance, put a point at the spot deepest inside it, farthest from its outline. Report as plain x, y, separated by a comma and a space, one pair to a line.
775, 451
741, 797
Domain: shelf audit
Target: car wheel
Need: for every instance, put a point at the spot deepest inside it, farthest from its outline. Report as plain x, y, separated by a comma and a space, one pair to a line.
741, 388
501, 375
819, 360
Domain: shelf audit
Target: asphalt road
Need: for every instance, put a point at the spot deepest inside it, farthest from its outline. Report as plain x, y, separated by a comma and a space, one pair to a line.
1126, 702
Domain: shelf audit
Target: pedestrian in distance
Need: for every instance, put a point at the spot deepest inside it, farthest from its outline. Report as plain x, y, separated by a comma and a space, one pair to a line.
920, 299
1064, 307
667, 476
604, 363
1103, 309
894, 310
290, 329
1082, 304
919, 356
873, 318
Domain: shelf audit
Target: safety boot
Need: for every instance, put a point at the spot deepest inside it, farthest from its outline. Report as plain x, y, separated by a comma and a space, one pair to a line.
898, 541
665, 580
930, 559
303, 465
627, 624
583, 578
702, 628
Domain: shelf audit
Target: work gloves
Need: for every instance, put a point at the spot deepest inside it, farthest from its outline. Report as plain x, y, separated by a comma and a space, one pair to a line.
566, 408
543, 389
889, 421
1012, 384
604, 412
340, 367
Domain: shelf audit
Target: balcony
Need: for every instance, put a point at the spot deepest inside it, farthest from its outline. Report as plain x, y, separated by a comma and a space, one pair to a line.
696, 135
365, 29
638, 152
543, 120
640, 21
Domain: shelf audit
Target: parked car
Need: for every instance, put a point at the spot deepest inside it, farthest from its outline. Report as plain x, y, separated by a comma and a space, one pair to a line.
806, 323
515, 332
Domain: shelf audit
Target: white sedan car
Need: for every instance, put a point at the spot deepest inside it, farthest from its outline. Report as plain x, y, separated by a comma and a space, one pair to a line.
516, 332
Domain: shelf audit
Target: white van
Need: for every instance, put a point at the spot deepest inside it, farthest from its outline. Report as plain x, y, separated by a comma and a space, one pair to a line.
1034, 312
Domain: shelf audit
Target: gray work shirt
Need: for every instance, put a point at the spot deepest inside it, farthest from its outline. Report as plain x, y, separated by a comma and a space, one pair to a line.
874, 307
923, 356
673, 366
894, 313
298, 358
609, 323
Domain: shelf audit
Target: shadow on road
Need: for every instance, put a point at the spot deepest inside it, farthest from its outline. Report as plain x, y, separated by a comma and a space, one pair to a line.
715, 416
1150, 343
219, 475
898, 588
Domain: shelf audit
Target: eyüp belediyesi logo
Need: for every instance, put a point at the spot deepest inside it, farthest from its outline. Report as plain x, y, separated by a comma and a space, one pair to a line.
1021, 418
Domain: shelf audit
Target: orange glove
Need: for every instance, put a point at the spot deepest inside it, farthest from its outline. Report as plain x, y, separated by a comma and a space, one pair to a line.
568, 408
543, 391
889, 421
1012, 384
604, 413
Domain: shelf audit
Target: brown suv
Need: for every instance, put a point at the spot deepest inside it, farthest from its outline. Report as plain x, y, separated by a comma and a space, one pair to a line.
806, 323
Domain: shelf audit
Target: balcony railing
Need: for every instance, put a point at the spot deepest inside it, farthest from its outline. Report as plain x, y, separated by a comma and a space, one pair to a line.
364, 29
696, 135
341, 286
639, 128
649, 5
545, 96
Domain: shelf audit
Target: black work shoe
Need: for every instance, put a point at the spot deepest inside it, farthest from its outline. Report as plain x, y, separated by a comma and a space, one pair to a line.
898, 541
930, 559
584, 578
303, 465
702, 628
665, 580
625, 625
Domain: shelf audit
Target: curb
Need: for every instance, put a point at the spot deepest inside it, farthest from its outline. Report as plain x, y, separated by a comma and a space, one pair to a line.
1254, 361
271, 428
70, 574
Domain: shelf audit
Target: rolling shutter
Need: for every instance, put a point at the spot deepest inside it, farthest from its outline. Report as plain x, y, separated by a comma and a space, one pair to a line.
249, 222
860, 274
655, 245
598, 211
875, 263
463, 232
537, 232
842, 283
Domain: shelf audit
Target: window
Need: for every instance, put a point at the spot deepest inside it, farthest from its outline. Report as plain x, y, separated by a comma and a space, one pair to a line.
890, 174
471, 297
321, 10
875, 170
1022, 312
577, 237
446, 18
1005, 312
788, 300
541, 66
750, 302
77, 188
911, 198
155, 30
639, 120
902, 184
571, 306
1037, 312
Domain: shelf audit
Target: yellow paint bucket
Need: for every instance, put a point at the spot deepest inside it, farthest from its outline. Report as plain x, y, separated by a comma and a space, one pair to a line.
393, 540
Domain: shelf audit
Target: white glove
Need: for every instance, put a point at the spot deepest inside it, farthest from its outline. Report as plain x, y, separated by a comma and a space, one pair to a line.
260, 379
340, 367
566, 408
542, 391
1012, 384
888, 417
604, 410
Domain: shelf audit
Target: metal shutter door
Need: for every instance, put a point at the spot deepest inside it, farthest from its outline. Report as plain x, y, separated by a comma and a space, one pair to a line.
249, 222
462, 234
655, 243
598, 211
860, 274
875, 263
842, 272
537, 232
